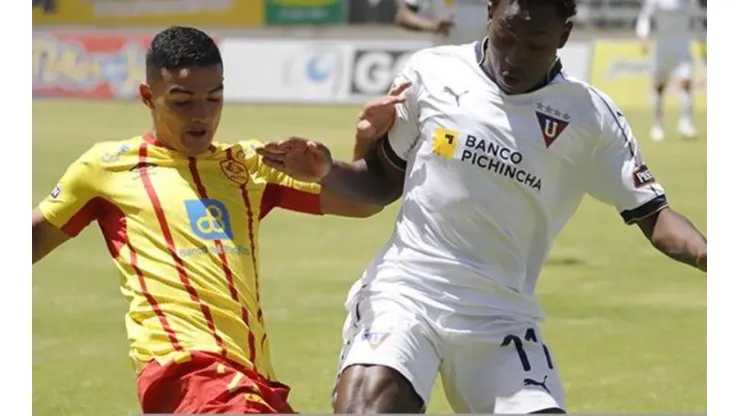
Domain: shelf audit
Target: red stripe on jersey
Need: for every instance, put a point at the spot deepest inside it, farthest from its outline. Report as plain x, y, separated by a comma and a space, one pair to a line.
289, 198
167, 233
112, 224
192, 163
81, 219
152, 301
110, 219
250, 226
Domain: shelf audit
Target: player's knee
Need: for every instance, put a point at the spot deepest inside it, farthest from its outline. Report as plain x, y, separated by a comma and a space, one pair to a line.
375, 389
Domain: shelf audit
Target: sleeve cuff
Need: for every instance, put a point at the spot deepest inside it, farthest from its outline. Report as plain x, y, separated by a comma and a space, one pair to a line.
645, 210
391, 154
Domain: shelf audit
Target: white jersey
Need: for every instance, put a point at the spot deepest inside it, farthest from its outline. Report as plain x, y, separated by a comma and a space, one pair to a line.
491, 179
667, 21
470, 17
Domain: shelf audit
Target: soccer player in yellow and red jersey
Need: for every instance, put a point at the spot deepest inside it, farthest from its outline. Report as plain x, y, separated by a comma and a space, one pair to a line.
180, 215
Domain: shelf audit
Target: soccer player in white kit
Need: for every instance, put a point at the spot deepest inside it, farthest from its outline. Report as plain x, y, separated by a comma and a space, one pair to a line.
491, 154
668, 23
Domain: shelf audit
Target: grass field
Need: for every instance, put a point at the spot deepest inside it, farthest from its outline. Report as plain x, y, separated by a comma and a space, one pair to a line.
626, 325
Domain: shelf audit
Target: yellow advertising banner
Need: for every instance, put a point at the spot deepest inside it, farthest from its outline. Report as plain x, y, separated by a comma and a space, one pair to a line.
132, 13
624, 72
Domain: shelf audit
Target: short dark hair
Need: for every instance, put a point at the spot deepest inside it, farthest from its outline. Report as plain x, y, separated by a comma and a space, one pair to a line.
180, 47
565, 8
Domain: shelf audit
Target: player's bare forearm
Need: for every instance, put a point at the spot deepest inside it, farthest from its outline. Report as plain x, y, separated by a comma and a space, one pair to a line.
362, 146
676, 237
407, 19
369, 179
357, 182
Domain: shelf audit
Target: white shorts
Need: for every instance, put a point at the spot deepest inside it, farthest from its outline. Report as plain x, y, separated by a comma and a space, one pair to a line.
501, 374
672, 60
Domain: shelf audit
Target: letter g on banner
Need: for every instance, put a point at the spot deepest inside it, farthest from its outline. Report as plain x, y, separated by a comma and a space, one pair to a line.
373, 70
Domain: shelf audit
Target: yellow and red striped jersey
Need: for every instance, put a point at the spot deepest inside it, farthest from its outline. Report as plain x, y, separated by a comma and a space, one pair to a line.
182, 231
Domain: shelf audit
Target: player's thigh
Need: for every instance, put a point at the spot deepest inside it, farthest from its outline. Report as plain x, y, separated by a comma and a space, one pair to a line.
684, 70
513, 374
673, 60
665, 60
664, 65
389, 351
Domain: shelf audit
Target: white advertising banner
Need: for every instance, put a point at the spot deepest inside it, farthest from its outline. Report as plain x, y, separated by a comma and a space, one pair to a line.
311, 71
576, 59
331, 71
286, 70
376, 64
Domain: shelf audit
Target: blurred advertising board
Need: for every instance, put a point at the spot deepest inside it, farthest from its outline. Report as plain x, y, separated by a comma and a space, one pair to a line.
312, 71
303, 71
127, 13
331, 71
621, 70
93, 66
372, 11
305, 12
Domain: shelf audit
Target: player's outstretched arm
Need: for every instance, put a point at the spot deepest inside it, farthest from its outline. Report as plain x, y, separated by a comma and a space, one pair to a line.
70, 207
644, 19
374, 179
676, 237
333, 204
408, 18
619, 176
45, 237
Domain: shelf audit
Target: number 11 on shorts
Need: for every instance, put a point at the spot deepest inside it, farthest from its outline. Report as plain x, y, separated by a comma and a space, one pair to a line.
445, 142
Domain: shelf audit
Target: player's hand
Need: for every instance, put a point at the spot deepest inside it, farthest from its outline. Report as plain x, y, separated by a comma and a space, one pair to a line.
645, 47
378, 116
302, 159
444, 25
701, 261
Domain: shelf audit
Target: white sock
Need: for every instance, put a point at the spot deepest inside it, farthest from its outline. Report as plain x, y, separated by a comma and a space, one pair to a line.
658, 108
687, 103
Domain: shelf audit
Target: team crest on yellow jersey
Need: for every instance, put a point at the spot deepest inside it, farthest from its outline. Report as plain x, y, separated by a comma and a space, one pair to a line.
235, 171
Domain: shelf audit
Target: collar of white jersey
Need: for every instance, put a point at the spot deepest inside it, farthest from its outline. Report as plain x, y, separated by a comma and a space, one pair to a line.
480, 54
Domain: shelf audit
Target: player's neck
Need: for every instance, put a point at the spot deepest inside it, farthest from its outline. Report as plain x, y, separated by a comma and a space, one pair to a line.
155, 139
486, 64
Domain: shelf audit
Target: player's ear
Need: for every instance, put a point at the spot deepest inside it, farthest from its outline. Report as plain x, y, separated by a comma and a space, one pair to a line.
145, 91
566, 34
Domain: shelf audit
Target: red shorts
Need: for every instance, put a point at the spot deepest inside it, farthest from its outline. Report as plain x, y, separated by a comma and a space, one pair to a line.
209, 384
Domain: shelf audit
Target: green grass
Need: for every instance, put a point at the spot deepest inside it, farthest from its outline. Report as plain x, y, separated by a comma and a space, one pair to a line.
626, 325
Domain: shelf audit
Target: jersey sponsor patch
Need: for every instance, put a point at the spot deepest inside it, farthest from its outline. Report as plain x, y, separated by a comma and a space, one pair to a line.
445, 142
642, 176
113, 156
209, 219
55, 192
497, 158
